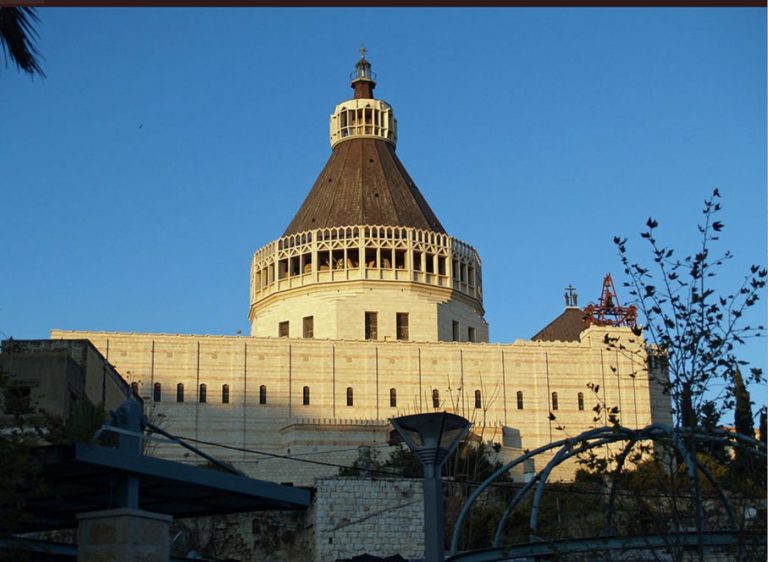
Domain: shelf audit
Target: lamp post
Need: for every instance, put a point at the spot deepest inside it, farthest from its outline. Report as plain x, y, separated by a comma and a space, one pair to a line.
432, 438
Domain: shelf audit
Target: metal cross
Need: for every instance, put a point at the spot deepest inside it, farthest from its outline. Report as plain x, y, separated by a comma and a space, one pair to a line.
570, 295
362, 50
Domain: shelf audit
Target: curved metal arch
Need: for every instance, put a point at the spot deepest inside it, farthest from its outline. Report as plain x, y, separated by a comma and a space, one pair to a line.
543, 474
601, 436
498, 472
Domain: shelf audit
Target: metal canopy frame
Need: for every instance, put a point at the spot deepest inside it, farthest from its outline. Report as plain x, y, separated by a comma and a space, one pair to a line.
85, 477
565, 449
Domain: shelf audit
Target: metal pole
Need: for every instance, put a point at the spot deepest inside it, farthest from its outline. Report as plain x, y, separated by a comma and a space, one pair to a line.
434, 549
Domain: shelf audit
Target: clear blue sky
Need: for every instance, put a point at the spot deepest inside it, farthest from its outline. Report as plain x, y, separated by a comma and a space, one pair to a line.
166, 145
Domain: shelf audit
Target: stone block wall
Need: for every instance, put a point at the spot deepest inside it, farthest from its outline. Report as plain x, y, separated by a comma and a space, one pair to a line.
354, 516
348, 517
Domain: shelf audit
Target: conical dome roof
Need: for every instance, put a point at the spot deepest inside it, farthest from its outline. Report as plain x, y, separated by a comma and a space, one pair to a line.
364, 182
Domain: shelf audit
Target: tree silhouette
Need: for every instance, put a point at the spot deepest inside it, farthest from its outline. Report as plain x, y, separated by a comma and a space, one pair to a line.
18, 37
692, 329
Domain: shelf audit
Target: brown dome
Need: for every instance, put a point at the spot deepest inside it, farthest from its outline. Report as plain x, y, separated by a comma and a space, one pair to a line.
364, 182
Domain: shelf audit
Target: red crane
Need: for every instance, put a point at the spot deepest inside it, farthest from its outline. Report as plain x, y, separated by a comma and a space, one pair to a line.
608, 311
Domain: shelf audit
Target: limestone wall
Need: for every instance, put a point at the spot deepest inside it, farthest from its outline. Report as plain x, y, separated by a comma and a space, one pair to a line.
379, 517
338, 311
266, 377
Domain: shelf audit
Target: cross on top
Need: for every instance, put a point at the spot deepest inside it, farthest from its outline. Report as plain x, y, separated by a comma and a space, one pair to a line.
362, 50
570, 296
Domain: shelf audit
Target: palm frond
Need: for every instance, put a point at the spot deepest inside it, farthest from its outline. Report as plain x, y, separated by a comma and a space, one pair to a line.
18, 36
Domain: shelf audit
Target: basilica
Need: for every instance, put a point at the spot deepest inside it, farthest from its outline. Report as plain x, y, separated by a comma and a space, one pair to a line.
365, 308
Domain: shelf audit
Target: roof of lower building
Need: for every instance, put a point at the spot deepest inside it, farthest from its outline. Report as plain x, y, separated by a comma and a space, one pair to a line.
566, 327
364, 182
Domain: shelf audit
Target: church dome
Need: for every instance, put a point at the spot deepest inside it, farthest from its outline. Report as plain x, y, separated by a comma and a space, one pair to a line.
365, 257
364, 181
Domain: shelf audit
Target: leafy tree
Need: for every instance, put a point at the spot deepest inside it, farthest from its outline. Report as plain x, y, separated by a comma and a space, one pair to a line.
17, 38
691, 328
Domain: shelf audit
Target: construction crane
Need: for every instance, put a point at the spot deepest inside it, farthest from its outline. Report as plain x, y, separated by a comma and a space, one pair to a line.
608, 311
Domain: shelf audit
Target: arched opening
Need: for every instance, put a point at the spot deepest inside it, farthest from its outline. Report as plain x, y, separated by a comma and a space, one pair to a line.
262, 394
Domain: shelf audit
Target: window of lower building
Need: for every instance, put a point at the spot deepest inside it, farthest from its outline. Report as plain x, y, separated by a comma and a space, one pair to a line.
470, 334
435, 398
371, 326
262, 394
203, 394
455, 331
180, 392
519, 399
225, 394
308, 327
392, 398
157, 392
554, 401
350, 396
581, 401
478, 400
402, 325
305, 396
283, 329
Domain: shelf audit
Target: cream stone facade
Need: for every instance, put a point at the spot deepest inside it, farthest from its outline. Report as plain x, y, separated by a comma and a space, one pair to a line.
321, 399
365, 309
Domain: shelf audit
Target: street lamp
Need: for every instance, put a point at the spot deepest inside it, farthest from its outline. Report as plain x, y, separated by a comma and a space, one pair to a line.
432, 438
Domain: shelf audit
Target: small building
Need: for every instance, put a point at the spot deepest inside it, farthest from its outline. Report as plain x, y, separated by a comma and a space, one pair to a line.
50, 376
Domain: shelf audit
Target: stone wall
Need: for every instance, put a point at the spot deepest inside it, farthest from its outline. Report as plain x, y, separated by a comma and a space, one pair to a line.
348, 517
265, 379
355, 516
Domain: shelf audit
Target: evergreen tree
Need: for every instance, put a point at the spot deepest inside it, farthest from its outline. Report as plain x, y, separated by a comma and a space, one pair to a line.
743, 412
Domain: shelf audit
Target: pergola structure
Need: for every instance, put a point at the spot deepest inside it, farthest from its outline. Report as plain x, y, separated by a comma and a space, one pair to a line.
698, 539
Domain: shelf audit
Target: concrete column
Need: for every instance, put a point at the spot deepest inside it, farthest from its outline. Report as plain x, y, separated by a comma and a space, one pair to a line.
123, 535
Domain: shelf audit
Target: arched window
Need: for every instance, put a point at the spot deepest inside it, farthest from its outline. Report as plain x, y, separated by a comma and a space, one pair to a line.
180, 392
392, 398
135, 388
225, 394
350, 396
203, 394
305, 396
157, 392
554, 400
478, 400
435, 398
262, 394
581, 401
519, 399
